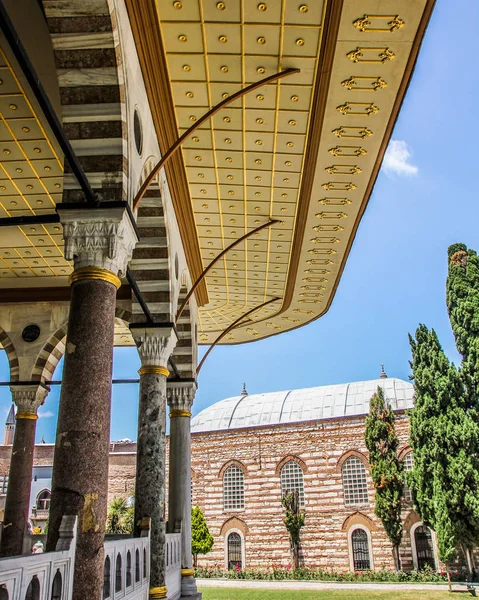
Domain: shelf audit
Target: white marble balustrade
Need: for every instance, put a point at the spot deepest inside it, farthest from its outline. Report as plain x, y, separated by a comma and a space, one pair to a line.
46, 576
173, 565
126, 572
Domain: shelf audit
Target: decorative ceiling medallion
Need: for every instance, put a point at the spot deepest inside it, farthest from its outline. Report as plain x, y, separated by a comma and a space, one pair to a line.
352, 132
343, 169
358, 108
348, 151
339, 185
364, 84
335, 201
384, 23
365, 55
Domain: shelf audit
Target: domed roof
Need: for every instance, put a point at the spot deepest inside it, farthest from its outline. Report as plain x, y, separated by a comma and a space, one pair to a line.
308, 404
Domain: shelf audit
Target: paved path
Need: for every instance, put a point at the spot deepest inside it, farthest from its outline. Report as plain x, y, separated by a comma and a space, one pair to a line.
321, 585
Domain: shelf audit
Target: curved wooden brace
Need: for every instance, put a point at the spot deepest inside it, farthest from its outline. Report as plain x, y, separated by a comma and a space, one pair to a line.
215, 260
230, 328
168, 154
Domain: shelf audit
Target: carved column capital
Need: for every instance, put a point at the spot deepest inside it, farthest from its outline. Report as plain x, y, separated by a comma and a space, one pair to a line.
180, 396
28, 399
98, 237
155, 345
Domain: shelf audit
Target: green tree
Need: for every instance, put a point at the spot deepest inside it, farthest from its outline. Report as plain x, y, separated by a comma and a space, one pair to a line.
201, 538
462, 299
120, 516
387, 471
444, 437
293, 521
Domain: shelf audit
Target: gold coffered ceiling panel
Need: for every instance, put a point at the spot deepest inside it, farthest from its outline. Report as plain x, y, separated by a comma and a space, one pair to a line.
304, 150
31, 182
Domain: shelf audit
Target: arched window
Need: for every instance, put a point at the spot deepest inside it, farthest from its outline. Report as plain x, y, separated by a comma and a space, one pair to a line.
33, 590
355, 485
57, 586
233, 488
360, 549
137, 566
144, 564
43, 500
118, 574
292, 480
106, 578
408, 465
234, 551
128, 569
423, 548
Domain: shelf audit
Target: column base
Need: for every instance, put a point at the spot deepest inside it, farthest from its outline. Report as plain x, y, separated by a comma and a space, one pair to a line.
189, 589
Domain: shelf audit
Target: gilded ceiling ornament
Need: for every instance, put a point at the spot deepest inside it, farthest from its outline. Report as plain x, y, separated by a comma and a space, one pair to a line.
303, 8
290, 144
273, 325
201, 175
223, 39
331, 215
260, 97
358, 108
287, 163
13, 107
347, 151
371, 55
25, 129
260, 121
47, 168
252, 332
343, 169
335, 201
189, 95
313, 279
328, 228
186, 68
339, 185
369, 84
182, 38
258, 161
261, 70
294, 98
352, 132
177, 5
390, 23
261, 40
325, 240
300, 42
224, 69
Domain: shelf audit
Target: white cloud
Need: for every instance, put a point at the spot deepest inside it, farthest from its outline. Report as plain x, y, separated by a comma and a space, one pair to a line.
45, 415
396, 159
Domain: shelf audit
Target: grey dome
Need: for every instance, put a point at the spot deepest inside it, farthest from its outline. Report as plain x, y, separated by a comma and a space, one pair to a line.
308, 404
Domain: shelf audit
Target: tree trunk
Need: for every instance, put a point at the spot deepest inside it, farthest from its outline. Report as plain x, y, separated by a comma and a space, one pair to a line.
470, 565
397, 558
295, 555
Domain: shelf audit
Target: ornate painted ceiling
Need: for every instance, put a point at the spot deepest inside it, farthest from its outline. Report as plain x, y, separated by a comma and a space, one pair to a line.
304, 150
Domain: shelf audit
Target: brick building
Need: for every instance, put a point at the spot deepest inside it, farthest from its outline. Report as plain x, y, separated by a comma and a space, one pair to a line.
247, 449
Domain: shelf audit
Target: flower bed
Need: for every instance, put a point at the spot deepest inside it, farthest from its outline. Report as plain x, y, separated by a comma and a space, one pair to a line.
312, 573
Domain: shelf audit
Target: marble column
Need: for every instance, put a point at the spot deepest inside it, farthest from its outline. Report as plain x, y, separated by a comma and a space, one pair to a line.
100, 241
28, 398
180, 401
155, 345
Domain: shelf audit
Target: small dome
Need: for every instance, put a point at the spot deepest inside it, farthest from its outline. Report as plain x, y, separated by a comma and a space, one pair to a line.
308, 404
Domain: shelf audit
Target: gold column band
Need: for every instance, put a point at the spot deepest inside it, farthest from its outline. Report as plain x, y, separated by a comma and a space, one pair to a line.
95, 273
187, 572
158, 592
152, 369
178, 412
26, 415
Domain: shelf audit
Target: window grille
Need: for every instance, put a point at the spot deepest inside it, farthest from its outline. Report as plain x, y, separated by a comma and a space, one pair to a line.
408, 465
292, 480
424, 548
43, 500
355, 485
233, 488
360, 544
3, 484
234, 551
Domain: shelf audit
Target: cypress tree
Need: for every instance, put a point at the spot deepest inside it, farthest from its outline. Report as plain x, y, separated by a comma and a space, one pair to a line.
201, 538
387, 471
444, 437
462, 299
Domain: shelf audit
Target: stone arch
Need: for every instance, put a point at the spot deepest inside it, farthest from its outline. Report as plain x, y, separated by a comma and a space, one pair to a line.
89, 66
54, 349
7, 344
234, 523
358, 518
411, 519
344, 457
403, 451
286, 459
237, 463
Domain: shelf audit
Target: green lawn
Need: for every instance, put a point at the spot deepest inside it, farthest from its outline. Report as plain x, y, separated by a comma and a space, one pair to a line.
265, 594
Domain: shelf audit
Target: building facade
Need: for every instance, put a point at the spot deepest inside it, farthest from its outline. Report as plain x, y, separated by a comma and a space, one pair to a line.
249, 450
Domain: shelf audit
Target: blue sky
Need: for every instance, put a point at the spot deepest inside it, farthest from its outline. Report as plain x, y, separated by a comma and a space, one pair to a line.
395, 275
